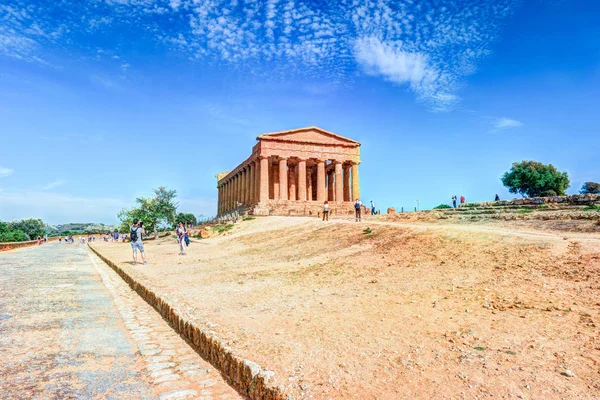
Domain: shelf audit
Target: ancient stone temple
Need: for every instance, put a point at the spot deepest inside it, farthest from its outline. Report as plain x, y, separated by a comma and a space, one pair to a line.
292, 173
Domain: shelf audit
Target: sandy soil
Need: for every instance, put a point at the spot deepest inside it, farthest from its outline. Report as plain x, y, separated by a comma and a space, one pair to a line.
411, 310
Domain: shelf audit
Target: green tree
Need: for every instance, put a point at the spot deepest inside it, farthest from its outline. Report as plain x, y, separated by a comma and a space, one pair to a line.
159, 209
186, 218
33, 227
590, 188
534, 179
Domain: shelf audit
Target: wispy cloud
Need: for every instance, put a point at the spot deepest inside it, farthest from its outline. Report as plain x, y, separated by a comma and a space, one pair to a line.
500, 124
428, 46
53, 184
4, 172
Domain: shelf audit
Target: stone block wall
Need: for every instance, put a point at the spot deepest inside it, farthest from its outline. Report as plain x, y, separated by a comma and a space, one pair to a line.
303, 208
572, 200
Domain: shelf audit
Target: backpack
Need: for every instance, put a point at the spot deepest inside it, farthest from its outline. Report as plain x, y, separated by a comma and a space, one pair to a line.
357, 205
133, 234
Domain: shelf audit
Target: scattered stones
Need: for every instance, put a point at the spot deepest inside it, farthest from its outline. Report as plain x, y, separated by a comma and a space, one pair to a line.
568, 373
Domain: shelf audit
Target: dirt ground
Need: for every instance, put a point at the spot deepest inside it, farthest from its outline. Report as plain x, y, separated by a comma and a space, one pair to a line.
409, 310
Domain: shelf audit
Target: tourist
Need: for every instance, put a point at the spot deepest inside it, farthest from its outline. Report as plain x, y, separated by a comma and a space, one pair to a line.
326, 211
181, 232
357, 207
462, 199
60, 239
136, 232
372, 208
454, 201
39, 240
497, 198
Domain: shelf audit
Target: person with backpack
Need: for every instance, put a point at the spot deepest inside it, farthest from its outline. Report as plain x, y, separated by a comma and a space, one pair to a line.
181, 233
136, 232
357, 207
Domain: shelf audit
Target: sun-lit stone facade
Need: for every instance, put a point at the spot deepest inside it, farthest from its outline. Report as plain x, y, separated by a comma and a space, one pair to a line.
293, 173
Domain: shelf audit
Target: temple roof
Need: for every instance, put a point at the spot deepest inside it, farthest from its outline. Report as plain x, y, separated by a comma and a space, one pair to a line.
299, 135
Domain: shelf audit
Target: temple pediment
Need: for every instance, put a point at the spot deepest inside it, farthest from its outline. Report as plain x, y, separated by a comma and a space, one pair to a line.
309, 135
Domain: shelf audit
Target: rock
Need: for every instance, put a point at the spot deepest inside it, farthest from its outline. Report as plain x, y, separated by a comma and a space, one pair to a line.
391, 211
568, 373
374, 281
205, 233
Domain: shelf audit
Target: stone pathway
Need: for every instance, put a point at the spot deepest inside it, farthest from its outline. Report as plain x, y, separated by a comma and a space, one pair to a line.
71, 328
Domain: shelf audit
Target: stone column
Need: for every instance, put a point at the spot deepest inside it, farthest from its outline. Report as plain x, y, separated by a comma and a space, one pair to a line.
221, 199
264, 179
257, 180
276, 190
321, 196
252, 182
236, 183
243, 186
247, 185
330, 186
347, 182
228, 196
339, 183
309, 186
292, 180
302, 180
355, 182
283, 181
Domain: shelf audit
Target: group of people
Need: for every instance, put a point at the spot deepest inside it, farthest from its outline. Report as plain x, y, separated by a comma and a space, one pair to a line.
462, 200
357, 210
137, 231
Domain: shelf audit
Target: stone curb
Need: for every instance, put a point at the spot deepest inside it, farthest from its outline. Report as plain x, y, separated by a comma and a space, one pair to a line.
17, 245
244, 375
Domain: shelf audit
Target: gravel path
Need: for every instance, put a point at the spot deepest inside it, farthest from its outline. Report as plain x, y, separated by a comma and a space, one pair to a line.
71, 328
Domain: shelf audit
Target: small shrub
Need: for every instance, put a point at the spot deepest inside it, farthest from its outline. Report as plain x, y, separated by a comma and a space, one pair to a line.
512, 353
543, 206
367, 230
592, 208
480, 348
441, 206
248, 218
222, 228
525, 211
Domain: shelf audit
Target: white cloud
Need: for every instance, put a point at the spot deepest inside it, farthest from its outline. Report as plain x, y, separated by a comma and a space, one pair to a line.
53, 184
500, 124
428, 46
4, 172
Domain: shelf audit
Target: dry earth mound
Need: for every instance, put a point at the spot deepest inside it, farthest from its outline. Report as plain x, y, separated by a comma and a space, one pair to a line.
396, 311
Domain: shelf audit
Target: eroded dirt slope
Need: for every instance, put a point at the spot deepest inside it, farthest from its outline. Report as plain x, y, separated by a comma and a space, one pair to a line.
406, 311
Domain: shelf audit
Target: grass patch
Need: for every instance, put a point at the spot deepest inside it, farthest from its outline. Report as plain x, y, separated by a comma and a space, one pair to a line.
524, 211
248, 218
480, 348
367, 230
592, 208
222, 228
512, 353
543, 207
370, 235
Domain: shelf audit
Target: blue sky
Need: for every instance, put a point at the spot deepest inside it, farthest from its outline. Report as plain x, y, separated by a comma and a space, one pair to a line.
102, 100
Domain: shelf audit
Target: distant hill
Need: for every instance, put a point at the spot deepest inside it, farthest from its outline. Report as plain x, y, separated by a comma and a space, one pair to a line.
90, 227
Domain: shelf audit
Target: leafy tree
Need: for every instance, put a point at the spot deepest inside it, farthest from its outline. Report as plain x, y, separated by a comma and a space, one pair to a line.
186, 218
33, 227
159, 209
534, 179
590, 188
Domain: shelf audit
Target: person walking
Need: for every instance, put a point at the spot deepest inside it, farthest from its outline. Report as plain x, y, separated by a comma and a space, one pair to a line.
372, 208
357, 207
326, 211
181, 232
454, 201
136, 232
497, 198
462, 199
